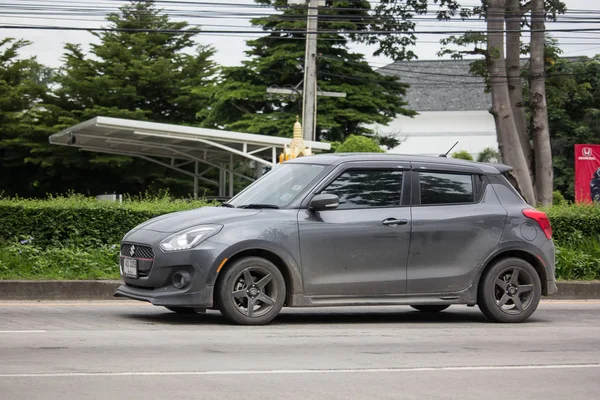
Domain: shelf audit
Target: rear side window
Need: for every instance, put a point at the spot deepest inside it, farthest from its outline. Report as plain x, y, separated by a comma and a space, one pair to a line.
446, 188
367, 188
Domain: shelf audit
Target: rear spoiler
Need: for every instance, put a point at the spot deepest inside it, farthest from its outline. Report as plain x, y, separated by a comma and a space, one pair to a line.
502, 168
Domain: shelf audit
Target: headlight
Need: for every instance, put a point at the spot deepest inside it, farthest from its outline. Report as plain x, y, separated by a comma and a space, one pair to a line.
189, 238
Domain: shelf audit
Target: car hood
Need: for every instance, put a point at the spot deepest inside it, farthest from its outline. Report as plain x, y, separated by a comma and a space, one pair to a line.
177, 221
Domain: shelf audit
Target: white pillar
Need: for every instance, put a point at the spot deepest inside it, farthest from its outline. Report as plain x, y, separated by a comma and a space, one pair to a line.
231, 175
196, 173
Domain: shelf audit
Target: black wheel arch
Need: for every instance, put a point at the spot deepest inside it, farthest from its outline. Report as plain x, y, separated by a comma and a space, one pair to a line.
517, 252
284, 262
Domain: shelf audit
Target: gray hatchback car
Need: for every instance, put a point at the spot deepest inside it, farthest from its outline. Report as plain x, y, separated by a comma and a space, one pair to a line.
350, 230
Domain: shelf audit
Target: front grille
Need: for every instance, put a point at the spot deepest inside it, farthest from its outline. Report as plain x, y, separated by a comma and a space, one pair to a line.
139, 251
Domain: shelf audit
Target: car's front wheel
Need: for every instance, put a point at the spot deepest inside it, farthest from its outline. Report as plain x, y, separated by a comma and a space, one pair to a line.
251, 291
510, 291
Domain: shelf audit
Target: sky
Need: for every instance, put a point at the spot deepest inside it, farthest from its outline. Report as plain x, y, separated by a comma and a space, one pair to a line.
48, 46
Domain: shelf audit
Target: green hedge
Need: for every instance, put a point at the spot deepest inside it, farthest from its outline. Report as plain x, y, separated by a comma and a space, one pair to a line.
80, 221
75, 237
576, 233
571, 219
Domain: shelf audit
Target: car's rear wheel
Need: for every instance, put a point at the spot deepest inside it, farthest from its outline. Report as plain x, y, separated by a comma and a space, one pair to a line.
182, 310
510, 291
251, 291
430, 308
596, 195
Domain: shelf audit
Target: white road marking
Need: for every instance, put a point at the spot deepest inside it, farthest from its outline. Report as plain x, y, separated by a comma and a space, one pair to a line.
300, 371
23, 331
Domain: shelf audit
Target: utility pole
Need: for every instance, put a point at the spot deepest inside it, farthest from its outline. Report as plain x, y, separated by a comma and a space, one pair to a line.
309, 91
309, 100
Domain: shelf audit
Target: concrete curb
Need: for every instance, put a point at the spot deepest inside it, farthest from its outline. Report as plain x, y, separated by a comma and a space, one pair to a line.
104, 290
58, 290
575, 290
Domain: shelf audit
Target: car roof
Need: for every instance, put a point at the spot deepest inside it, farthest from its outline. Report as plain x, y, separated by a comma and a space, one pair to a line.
339, 158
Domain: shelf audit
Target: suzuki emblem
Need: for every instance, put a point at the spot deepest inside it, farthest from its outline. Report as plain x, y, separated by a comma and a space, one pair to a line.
587, 152
132, 250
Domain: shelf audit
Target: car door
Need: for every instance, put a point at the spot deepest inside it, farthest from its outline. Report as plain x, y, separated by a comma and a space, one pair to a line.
457, 221
360, 248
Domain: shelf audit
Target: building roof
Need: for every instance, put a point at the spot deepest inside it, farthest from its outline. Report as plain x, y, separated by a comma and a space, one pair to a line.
441, 85
180, 148
444, 85
150, 139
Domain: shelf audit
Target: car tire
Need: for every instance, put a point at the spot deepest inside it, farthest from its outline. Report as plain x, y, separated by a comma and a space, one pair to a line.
431, 308
596, 195
509, 291
182, 310
255, 303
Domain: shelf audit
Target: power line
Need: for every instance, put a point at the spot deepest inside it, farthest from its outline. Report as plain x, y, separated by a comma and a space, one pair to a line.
318, 32
77, 7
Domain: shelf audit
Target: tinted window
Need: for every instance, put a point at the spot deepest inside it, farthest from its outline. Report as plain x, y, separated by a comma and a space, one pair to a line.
367, 188
441, 188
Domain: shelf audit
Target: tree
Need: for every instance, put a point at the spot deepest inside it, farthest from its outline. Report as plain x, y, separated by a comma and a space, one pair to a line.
532, 166
152, 75
509, 142
539, 110
147, 74
462, 155
489, 155
392, 25
23, 82
359, 144
573, 99
242, 103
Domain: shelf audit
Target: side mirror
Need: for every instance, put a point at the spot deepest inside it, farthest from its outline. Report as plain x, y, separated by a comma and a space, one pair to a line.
324, 202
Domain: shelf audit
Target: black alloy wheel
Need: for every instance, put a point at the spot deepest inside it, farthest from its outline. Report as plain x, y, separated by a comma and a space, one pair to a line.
510, 291
251, 291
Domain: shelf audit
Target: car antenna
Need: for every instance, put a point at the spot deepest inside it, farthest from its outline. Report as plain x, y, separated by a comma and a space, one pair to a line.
446, 155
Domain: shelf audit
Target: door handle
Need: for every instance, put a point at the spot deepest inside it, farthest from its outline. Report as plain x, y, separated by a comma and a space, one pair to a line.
394, 222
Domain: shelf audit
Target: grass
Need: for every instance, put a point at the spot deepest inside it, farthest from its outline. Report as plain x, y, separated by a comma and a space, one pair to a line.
26, 262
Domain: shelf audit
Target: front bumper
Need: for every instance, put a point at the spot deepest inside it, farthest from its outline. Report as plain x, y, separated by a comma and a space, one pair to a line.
155, 284
202, 298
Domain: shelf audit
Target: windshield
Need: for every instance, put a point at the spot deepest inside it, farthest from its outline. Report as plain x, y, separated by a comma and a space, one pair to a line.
279, 186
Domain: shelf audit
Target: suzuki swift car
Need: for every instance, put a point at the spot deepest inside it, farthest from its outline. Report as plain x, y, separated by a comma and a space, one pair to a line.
350, 230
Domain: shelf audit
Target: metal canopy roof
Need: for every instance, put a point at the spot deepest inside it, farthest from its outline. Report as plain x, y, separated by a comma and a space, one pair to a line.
175, 146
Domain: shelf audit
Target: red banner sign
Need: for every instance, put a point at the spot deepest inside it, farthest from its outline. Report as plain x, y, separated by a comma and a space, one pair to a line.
587, 173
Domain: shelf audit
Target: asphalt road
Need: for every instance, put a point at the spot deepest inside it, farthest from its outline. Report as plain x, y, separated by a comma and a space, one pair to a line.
129, 350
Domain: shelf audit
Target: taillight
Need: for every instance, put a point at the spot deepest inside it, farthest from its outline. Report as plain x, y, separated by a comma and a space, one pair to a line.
541, 218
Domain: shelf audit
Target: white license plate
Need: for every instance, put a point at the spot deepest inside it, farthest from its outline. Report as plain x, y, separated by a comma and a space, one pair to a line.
130, 267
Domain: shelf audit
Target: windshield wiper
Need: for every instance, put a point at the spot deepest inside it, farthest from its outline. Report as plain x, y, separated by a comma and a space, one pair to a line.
258, 205
226, 205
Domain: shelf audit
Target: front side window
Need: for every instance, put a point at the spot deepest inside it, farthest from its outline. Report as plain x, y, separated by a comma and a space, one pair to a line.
445, 188
367, 188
